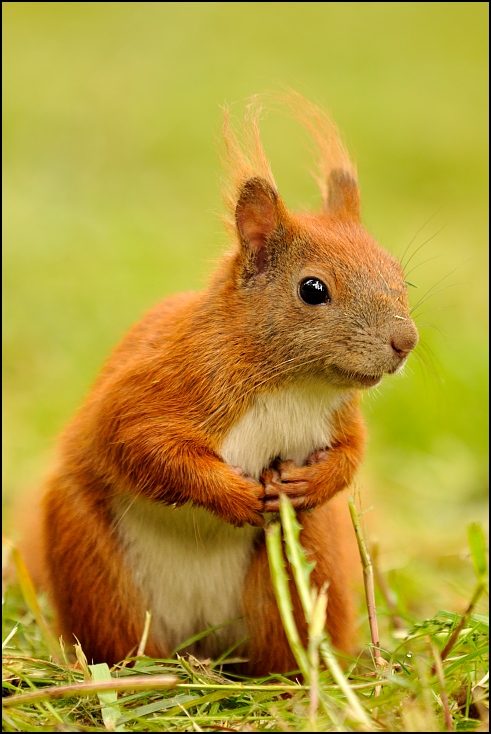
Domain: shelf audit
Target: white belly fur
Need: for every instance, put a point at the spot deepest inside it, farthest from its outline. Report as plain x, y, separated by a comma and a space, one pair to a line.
289, 424
191, 565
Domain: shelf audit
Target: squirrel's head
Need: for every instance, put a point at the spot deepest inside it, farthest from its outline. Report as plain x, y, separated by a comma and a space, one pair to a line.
315, 292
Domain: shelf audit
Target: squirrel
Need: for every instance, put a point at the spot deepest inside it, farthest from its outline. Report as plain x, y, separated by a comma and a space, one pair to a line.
215, 404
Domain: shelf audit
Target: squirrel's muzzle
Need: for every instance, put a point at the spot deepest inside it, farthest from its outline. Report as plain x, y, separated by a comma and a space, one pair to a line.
403, 339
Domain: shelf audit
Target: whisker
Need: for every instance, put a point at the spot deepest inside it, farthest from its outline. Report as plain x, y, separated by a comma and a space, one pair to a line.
245, 394
429, 259
417, 233
431, 359
120, 518
226, 389
437, 308
424, 243
424, 361
433, 326
274, 374
426, 347
434, 286
430, 295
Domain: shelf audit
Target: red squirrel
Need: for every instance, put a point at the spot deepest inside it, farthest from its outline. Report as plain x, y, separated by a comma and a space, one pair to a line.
214, 405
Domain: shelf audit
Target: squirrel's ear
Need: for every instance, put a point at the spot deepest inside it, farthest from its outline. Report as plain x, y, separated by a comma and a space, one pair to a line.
344, 197
257, 217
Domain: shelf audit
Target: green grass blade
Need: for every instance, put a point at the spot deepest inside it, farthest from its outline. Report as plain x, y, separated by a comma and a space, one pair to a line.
301, 570
201, 635
10, 635
110, 710
478, 551
280, 583
199, 700
31, 600
357, 709
158, 706
296, 555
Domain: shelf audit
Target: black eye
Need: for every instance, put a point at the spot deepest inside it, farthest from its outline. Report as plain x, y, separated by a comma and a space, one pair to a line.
313, 291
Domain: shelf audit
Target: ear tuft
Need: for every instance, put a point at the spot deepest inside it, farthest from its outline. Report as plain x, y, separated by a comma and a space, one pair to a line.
256, 213
344, 197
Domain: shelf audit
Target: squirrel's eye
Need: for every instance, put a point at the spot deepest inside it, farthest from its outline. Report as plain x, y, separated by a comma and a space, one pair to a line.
313, 291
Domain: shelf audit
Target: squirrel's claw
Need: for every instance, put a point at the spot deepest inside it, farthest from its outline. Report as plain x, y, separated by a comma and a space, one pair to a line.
277, 483
286, 477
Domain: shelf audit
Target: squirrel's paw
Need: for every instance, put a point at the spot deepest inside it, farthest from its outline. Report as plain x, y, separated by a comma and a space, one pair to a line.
294, 481
247, 507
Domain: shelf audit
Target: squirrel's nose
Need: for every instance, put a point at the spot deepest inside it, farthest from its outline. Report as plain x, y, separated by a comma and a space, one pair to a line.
403, 344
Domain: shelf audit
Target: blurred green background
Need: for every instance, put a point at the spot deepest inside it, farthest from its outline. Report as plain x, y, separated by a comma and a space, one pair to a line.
111, 119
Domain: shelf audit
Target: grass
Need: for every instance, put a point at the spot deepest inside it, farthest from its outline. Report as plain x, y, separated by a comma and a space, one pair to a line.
432, 676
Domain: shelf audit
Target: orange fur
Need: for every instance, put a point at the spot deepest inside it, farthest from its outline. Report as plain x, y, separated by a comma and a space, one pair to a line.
183, 391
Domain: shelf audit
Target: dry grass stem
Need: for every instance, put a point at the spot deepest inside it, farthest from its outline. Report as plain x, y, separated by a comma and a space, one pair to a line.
441, 681
369, 589
136, 683
144, 637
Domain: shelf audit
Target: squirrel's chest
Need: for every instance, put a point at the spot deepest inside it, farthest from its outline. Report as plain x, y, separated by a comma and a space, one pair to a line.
290, 423
191, 565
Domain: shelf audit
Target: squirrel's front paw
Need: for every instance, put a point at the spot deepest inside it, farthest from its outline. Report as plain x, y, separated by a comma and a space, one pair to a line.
286, 478
247, 507
297, 482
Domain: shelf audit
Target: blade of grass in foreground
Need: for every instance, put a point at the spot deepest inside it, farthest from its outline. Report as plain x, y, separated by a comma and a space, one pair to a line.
302, 570
280, 581
71, 690
311, 600
478, 553
110, 710
31, 600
